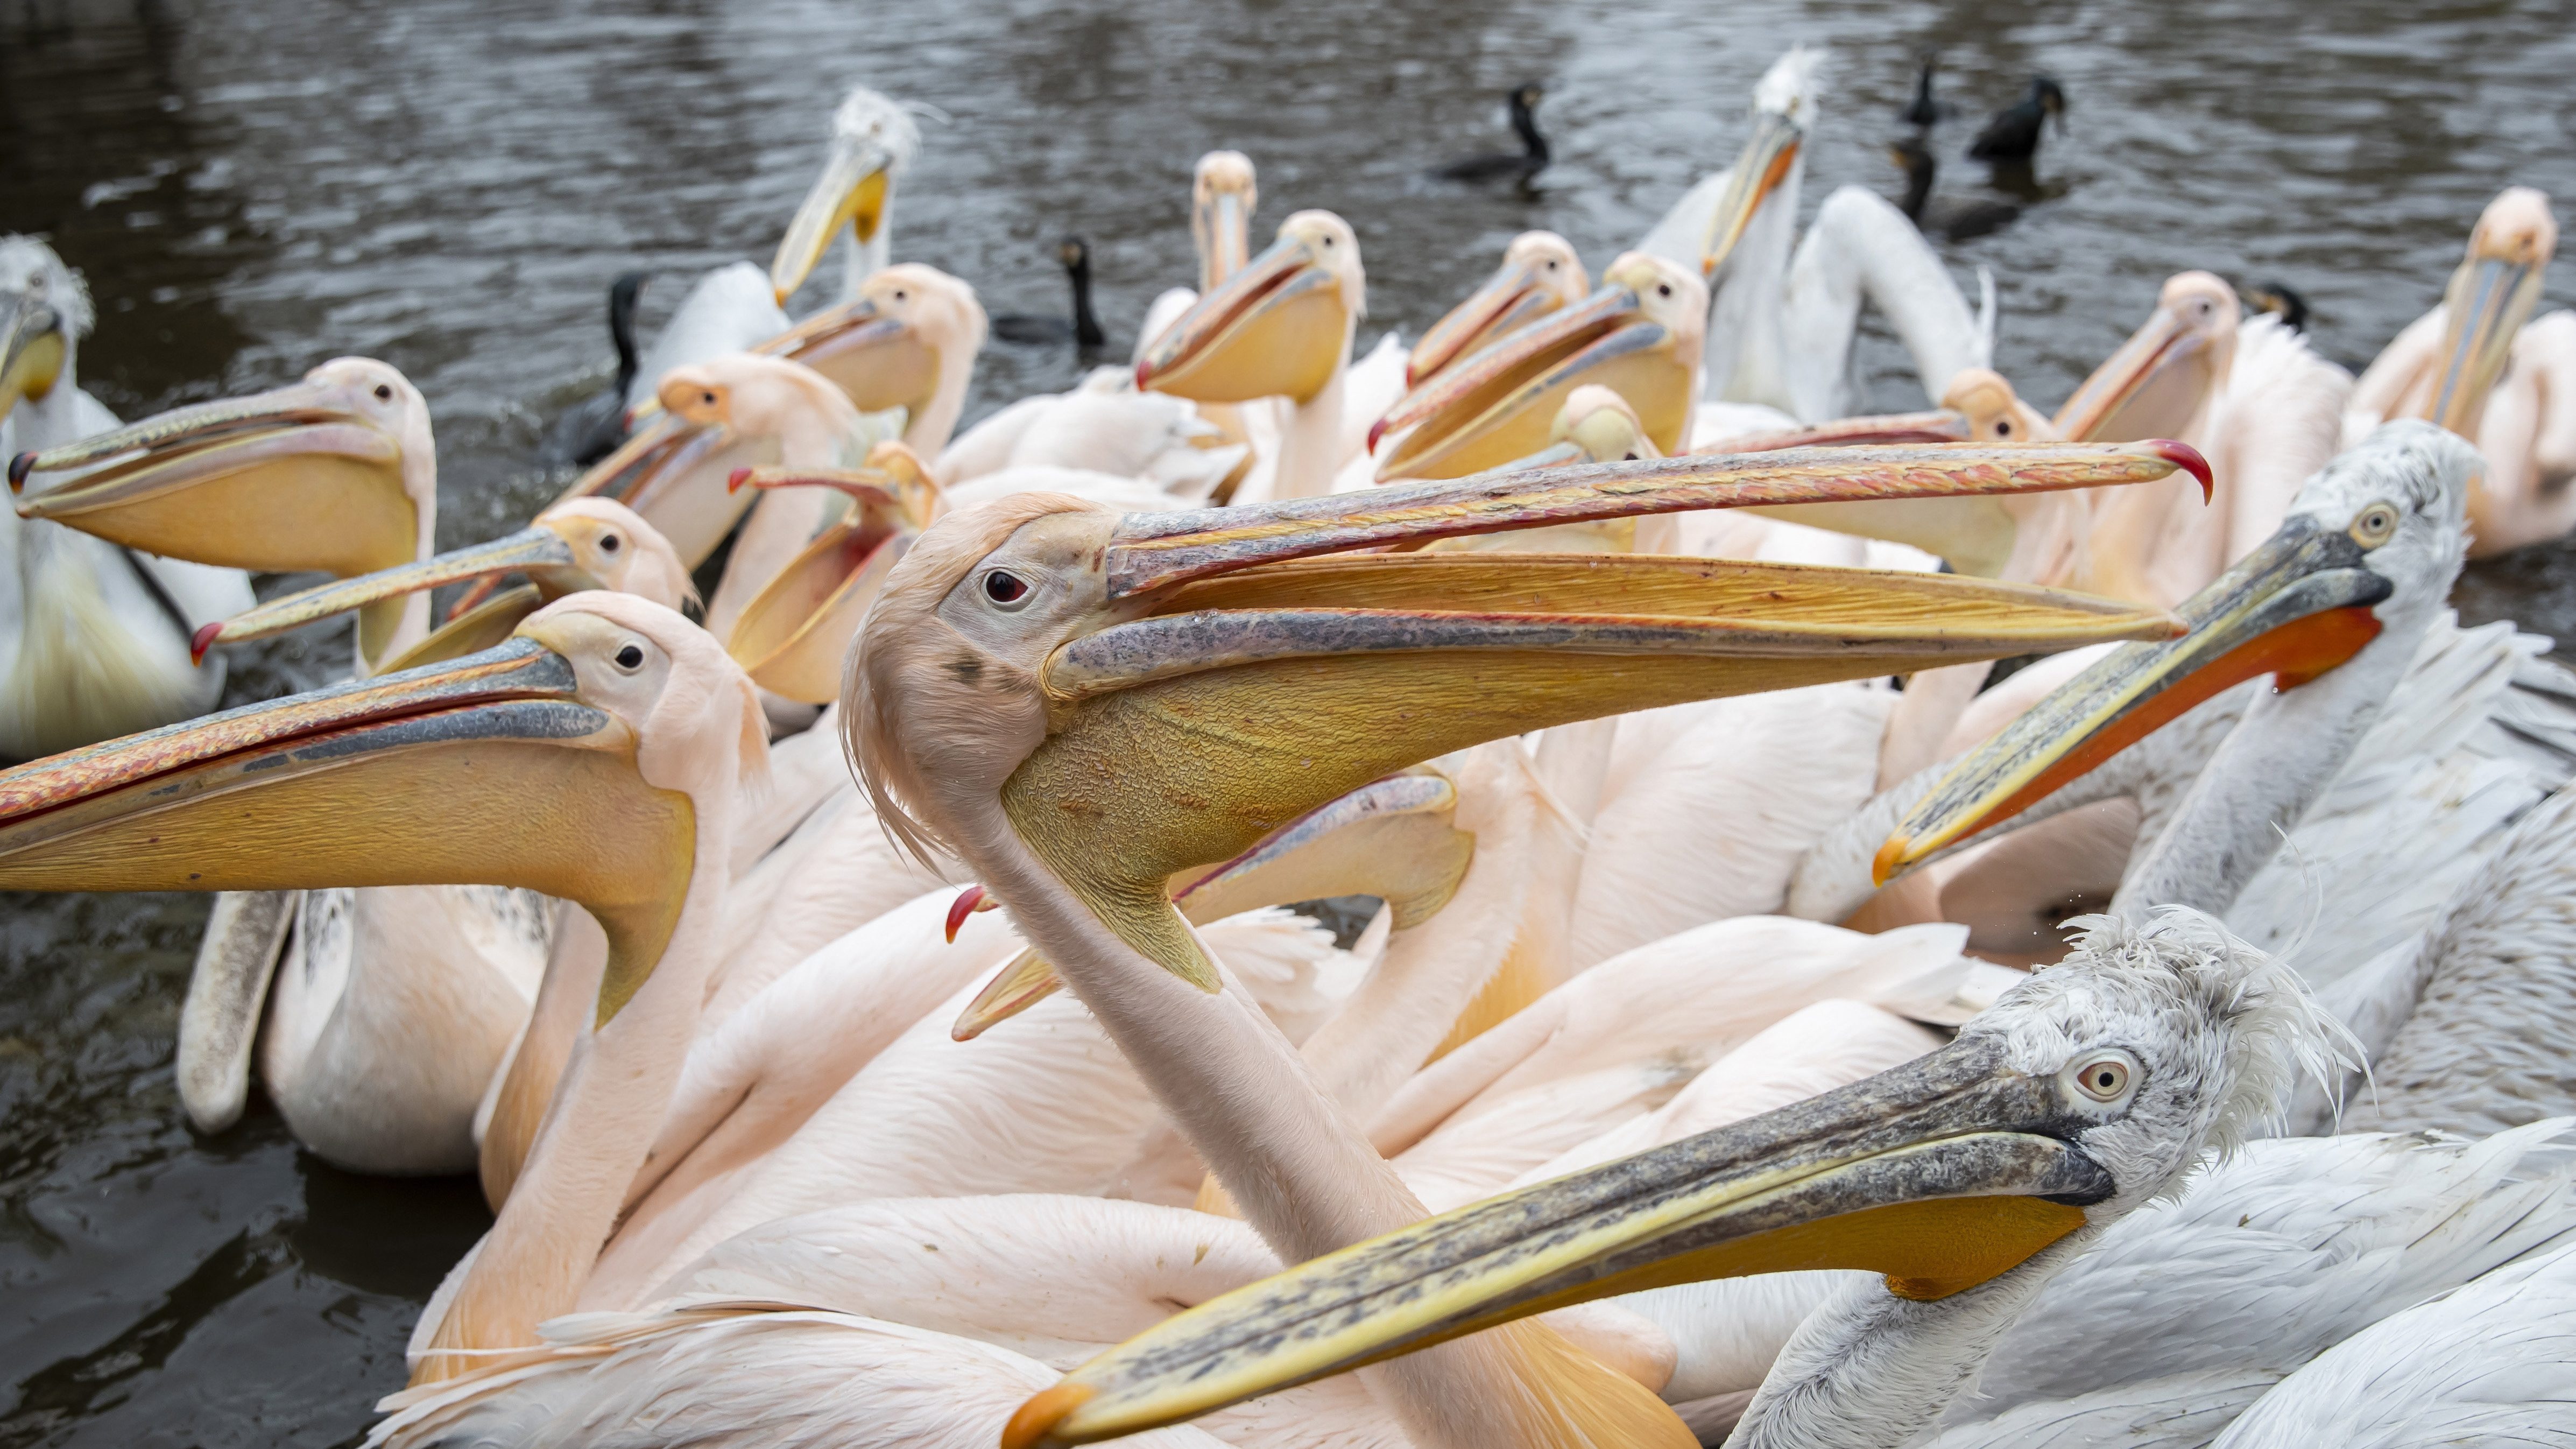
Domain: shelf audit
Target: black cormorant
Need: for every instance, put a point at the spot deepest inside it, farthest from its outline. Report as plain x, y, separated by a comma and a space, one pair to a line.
1519, 165
591, 429
2013, 135
1944, 216
1084, 330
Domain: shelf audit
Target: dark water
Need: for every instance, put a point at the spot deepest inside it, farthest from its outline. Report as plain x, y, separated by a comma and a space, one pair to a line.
255, 186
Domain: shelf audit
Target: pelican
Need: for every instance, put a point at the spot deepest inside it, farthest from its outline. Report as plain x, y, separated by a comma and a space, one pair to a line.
1780, 326
873, 140
1637, 335
86, 626
1540, 275
2252, 398
1279, 327
664, 724
2472, 366
2086, 1093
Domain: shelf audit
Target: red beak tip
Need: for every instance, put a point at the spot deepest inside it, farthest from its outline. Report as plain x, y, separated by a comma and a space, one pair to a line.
19, 468
2187, 458
203, 640
737, 478
1144, 375
968, 900
1377, 430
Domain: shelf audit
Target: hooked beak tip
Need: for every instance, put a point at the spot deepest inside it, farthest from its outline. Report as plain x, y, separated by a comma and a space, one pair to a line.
203, 640
2188, 459
1044, 1410
1377, 430
737, 478
968, 902
19, 467
1890, 855
1144, 375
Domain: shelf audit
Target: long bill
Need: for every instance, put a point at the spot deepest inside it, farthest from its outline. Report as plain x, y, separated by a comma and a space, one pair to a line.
2152, 386
1941, 1174
1236, 680
32, 349
1275, 328
1768, 157
1515, 296
480, 770
537, 551
852, 191
2297, 606
2491, 295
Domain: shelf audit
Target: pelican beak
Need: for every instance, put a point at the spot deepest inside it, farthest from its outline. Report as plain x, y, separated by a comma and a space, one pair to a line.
1276, 328
1233, 680
298, 479
2491, 295
2151, 388
1941, 1174
31, 352
2296, 607
538, 551
852, 191
1223, 226
668, 472
794, 636
1500, 403
878, 359
1391, 839
1937, 425
1768, 158
478, 771
1515, 296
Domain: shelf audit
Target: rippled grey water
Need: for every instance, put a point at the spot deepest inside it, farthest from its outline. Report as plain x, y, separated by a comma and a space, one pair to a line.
257, 185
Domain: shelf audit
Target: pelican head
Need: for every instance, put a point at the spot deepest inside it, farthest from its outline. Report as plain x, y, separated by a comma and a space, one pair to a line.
2371, 543
910, 328
584, 758
1222, 196
1784, 109
2082, 1094
1540, 274
2158, 384
44, 312
873, 139
1036, 677
2490, 296
1638, 335
794, 635
578, 544
1279, 327
336, 473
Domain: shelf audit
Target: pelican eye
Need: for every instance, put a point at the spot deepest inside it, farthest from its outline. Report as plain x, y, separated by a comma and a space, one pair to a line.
1663, 289
2105, 1078
1006, 589
384, 392
608, 543
630, 657
2003, 430
2375, 525
708, 398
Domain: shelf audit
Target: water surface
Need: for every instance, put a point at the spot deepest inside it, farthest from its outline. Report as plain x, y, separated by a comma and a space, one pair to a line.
255, 186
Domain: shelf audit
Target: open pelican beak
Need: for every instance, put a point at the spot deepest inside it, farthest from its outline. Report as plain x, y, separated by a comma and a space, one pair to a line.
794, 636
2491, 296
1942, 1174
538, 551
852, 191
1276, 328
1935, 425
297, 479
1768, 158
31, 351
670, 472
1499, 404
2150, 388
1235, 681
2297, 606
1515, 296
1391, 839
475, 771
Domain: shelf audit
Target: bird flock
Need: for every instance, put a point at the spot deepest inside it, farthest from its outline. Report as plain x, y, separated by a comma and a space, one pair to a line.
1550, 887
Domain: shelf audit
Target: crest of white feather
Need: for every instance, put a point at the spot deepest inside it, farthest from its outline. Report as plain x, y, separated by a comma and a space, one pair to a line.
875, 116
1789, 87
27, 264
2276, 1031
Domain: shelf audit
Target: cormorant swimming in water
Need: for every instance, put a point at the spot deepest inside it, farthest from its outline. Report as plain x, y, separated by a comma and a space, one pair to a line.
2013, 135
1945, 216
1923, 111
1084, 330
1519, 166
2277, 299
591, 429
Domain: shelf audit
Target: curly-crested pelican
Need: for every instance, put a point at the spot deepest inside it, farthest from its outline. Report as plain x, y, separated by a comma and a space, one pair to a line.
2473, 366
85, 625
1968, 1177
1781, 322
873, 140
